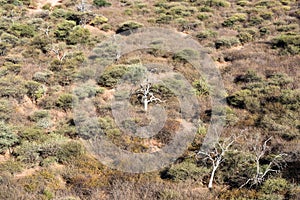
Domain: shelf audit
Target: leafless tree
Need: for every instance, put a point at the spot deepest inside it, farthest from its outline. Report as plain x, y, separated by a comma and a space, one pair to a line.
216, 156
262, 172
147, 96
82, 6
46, 30
60, 54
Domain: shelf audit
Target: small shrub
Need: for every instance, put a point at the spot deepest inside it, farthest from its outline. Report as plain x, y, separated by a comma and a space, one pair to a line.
22, 30
206, 34
255, 20
201, 87
226, 42
239, 17
65, 101
101, 3
87, 90
186, 55
63, 29
12, 86
290, 43
11, 39
164, 19
11, 166
185, 170
218, 3
78, 35
69, 151
35, 90
38, 115
128, 26
249, 76
245, 37
275, 185
204, 16
238, 99
32, 134
42, 77
7, 137
98, 20
242, 3
5, 109
111, 76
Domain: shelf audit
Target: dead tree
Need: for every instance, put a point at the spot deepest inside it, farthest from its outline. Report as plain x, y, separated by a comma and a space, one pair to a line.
147, 95
262, 172
61, 55
216, 156
82, 6
46, 30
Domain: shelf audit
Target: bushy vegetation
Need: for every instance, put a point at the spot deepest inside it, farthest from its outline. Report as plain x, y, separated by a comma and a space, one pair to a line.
45, 52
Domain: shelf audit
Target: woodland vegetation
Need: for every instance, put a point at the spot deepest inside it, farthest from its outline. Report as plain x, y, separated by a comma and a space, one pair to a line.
44, 46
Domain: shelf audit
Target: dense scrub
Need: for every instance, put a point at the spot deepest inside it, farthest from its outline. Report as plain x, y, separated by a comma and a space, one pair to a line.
43, 52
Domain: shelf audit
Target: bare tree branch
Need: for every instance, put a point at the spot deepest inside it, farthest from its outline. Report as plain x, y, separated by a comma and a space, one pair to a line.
217, 157
146, 95
260, 175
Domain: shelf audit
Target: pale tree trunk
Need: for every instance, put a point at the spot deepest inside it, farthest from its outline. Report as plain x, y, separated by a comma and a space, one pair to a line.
212, 176
145, 104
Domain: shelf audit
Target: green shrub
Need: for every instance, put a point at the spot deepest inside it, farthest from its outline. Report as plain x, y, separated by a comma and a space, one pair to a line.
185, 170
5, 109
11, 166
128, 26
111, 76
182, 11
239, 17
266, 15
186, 55
218, 3
65, 101
63, 29
70, 151
41, 43
275, 185
40, 114
78, 35
245, 37
206, 34
22, 30
264, 31
164, 19
98, 20
12, 86
105, 27
42, 77
101, 3
32, 134
86, 90
238, 99
46, 6
248, 77
226, 42
286, 28
11, 39
12, 67
201, 87
242, 3
255, 20
290, 43
35, 90
204, 16
7, 137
